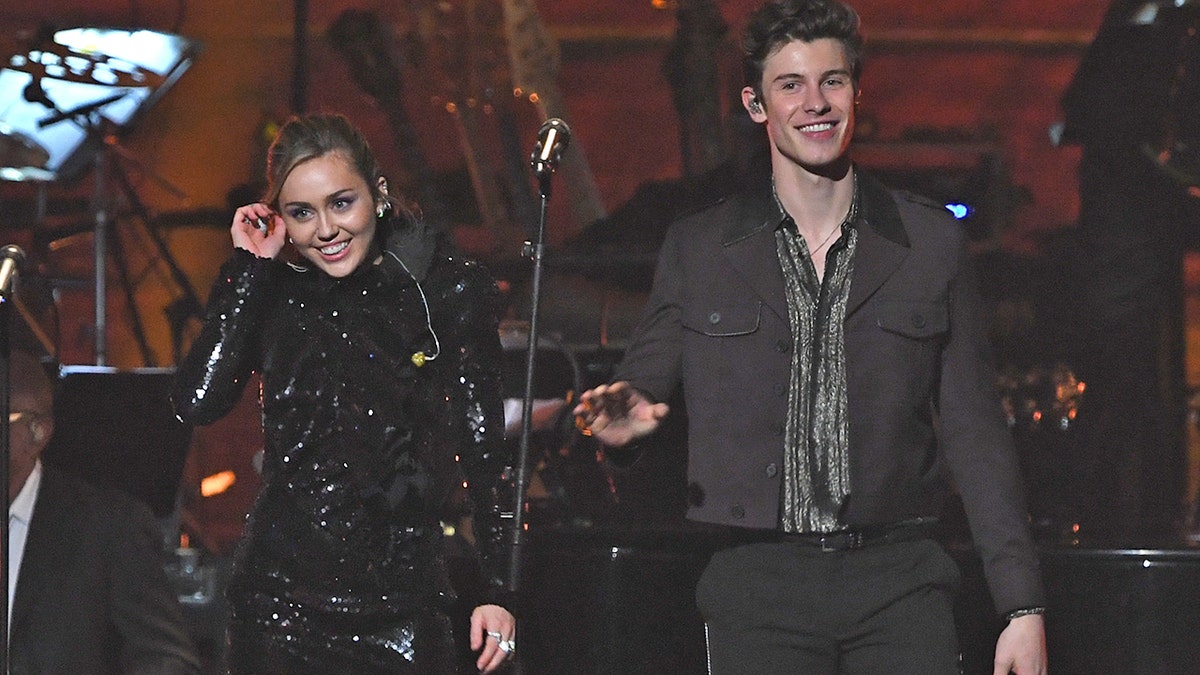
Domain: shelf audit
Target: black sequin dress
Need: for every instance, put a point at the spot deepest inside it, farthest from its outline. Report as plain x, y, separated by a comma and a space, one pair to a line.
342, 569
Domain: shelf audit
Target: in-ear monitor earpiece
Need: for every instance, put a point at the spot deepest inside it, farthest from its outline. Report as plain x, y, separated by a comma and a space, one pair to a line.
419, 358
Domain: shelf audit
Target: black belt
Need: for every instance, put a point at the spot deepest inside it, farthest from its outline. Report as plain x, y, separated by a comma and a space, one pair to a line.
855, 538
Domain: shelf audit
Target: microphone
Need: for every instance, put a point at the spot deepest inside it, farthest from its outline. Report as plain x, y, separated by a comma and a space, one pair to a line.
11, 260
553, 138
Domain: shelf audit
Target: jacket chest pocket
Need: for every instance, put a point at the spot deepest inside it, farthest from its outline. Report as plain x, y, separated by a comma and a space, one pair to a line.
905, 344
717, 341
915, 319
721, 322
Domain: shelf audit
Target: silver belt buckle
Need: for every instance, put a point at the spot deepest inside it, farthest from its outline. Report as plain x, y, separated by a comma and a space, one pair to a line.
854, 541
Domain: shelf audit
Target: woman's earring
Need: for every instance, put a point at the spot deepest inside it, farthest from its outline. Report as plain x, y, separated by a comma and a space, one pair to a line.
380, 212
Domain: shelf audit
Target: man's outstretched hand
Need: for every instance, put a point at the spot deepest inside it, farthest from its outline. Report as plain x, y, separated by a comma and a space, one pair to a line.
616, 414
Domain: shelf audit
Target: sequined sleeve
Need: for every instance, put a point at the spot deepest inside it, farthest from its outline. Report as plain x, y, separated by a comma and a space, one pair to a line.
210, 380
464, 302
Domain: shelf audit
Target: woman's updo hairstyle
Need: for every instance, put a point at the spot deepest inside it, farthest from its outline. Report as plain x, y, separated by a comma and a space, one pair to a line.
310, 136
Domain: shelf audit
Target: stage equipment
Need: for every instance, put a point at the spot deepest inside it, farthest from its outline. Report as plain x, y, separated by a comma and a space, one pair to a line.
117, 428
619, 601
568, 483
74, 92
66, 89
552, 140
11, 258
1131, 109
21, 157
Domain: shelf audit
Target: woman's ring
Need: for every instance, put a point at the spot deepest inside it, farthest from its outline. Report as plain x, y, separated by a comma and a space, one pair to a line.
507, 646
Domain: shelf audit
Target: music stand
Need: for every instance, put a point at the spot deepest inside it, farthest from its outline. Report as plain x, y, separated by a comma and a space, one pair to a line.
88, 73
117, 428
72, 94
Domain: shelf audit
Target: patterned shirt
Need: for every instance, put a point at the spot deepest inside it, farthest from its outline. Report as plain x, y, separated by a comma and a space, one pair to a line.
816, 478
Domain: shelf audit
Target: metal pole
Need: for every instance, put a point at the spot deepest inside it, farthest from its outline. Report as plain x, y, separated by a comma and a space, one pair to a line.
538, 247
5, 312
100, 246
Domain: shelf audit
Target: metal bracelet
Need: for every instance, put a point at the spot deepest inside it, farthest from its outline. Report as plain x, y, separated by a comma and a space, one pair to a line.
1024, 611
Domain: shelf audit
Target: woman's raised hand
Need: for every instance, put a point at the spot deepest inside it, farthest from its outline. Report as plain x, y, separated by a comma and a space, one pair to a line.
248, 233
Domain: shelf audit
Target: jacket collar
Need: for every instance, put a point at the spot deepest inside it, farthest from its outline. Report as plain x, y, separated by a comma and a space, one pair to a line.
756, 212
748, 239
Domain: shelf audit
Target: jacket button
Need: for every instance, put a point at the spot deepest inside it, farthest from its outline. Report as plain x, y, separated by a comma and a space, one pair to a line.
772, 470
918, 320
782, 346
738, 512
781, 389
715, 317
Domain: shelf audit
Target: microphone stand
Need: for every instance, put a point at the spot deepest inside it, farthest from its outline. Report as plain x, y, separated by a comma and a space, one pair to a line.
6, 302
543, 170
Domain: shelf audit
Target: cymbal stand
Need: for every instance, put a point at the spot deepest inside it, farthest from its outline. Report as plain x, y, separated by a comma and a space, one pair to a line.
188, 305
108, 160
100, 259
82, 116
103, 227
5, 449
88, 118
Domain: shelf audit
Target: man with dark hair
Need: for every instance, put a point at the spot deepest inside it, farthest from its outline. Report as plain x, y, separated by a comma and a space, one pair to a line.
830, 343
90, 595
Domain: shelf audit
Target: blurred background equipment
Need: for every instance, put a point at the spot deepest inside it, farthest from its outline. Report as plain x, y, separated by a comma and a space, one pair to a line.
117, 428
1131, 109
69, 96
72, 86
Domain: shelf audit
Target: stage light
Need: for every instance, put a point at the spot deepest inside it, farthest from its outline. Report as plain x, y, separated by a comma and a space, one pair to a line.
960, 211
217, 483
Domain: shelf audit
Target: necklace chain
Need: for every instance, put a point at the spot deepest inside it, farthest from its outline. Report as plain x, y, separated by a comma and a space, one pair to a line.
826, 241
849, 215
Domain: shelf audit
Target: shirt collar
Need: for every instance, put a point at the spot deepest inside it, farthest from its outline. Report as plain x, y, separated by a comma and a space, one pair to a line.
781, 218
22, 507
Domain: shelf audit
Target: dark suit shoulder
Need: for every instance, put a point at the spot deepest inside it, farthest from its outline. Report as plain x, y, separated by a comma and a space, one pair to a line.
692, 225
726, 217
930, 227
918, 199
920, 211
701, 207
917, 207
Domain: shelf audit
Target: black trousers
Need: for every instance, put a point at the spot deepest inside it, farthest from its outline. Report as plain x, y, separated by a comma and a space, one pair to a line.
776, 608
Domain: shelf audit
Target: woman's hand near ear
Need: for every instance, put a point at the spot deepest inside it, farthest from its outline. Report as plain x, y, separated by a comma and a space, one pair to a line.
247, 234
